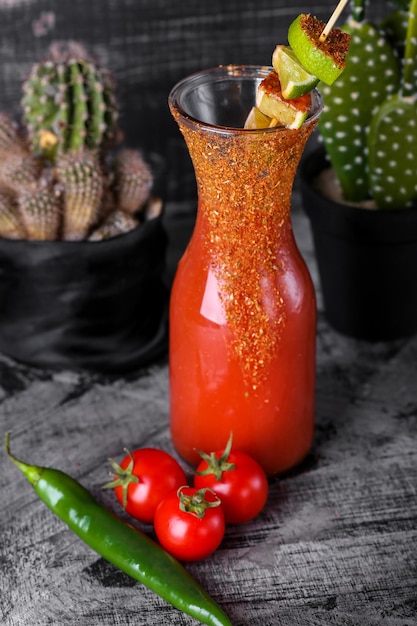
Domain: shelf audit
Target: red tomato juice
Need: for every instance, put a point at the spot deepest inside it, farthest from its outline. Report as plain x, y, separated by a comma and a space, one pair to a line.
211, 396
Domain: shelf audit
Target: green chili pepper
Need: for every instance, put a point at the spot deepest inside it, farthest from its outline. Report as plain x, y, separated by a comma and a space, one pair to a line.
119, 543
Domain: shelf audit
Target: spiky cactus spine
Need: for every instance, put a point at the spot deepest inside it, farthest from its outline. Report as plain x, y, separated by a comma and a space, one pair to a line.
371, 75
133, 181
18, 170
82, 185
11, 225
39, 211
10, 138
69, 104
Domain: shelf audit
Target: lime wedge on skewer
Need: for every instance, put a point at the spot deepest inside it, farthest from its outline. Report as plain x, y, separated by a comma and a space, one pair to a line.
271, 102
324, 59
256, 119
294, 78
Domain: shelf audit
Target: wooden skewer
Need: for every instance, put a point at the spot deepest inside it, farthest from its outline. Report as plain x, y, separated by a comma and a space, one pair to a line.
333, 18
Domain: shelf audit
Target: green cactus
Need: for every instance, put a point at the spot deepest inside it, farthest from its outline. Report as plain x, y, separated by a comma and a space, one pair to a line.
133, 181
392, 140
69, 104
395, 28
370, 76
369, 125
82, 187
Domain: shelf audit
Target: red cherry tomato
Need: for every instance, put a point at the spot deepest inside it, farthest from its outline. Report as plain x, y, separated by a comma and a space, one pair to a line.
238, 480
143, 479
190, 523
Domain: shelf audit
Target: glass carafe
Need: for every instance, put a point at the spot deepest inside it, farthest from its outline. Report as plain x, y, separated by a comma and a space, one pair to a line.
243, 311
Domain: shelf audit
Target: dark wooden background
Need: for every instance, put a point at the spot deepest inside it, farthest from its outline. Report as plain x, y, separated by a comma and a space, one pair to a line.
149, 45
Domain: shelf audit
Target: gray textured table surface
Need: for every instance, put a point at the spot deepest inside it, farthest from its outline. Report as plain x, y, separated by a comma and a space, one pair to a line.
336, 544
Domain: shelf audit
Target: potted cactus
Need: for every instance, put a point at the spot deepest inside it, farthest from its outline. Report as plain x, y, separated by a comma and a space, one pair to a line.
359, 190
82, 247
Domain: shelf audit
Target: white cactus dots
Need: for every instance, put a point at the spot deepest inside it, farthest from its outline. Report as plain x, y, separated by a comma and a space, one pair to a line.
369, 125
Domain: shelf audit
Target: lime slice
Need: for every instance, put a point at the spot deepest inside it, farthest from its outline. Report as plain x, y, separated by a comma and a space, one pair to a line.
324, 59
295, 80
271, 102
256, 119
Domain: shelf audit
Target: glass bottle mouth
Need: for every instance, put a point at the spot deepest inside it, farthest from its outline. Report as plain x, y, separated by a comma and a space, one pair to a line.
221, 97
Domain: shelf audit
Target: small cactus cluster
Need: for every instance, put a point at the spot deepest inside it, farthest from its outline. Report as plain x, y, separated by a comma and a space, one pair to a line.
61, 176
68, 103
369, 124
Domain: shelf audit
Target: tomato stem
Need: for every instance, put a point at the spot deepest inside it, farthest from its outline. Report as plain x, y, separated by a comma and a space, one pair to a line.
217, 466
197, 504
122, 477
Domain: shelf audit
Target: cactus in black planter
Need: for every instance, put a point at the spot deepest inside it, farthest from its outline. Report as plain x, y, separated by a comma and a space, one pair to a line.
58, 179
367, 259
70, 299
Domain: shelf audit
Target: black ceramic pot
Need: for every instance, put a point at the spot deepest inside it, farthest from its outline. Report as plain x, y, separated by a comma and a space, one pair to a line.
367, 262
99, 306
